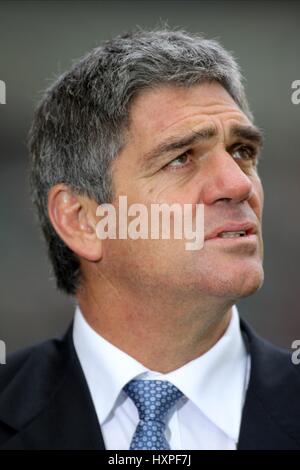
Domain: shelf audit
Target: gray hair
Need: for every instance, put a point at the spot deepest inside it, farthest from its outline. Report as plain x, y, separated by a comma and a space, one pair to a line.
79, 125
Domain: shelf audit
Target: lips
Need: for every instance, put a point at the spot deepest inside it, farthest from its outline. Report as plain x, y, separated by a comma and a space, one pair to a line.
245, 228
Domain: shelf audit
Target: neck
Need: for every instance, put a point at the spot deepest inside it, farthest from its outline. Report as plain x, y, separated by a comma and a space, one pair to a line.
163, 336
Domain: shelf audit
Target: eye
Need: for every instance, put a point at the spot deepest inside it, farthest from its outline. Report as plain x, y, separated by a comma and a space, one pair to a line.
246, 153
178, 162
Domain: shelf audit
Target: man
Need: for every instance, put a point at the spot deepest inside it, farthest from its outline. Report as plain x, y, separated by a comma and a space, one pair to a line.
157, 357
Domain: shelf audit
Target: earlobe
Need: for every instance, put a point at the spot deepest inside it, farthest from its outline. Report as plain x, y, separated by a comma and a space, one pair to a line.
72, 218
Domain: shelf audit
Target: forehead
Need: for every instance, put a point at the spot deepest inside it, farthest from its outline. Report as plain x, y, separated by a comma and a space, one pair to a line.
159, 111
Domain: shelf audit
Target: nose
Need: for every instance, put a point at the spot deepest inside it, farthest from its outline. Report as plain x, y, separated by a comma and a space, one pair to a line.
226, 181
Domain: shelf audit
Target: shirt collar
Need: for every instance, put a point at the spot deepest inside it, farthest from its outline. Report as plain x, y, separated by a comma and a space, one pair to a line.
215, 382
107, 368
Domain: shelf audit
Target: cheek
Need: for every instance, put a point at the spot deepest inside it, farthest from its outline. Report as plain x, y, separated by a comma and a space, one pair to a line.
258, 197
261, 195
176, 188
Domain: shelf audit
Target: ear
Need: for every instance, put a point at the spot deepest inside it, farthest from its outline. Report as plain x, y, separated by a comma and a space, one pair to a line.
73, 217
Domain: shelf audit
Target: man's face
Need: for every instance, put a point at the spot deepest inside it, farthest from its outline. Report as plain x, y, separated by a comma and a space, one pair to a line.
217, 168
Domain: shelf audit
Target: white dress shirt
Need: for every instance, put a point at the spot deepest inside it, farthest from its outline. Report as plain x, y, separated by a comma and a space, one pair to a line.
208, 416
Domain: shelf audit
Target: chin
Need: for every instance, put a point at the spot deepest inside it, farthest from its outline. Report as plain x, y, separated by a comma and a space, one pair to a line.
247, 283
235, 283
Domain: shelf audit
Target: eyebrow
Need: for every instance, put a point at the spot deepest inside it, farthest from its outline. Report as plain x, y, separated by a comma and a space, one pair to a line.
249, 133
177, 143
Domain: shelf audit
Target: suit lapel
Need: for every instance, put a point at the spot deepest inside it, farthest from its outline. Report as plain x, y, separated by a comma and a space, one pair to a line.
271, 413
62, 416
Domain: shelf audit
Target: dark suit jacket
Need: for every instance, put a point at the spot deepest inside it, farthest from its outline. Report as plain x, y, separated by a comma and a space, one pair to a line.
45, 402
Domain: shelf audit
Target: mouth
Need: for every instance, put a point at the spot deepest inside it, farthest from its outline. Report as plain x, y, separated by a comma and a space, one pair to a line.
233, 234
246, 231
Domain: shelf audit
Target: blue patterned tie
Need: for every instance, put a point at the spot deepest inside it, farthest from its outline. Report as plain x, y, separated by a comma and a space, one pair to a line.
153, 399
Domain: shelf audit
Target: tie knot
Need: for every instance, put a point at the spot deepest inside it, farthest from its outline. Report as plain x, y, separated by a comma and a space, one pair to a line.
153, 398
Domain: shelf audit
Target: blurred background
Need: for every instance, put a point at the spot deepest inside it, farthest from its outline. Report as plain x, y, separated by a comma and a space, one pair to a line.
39, 39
